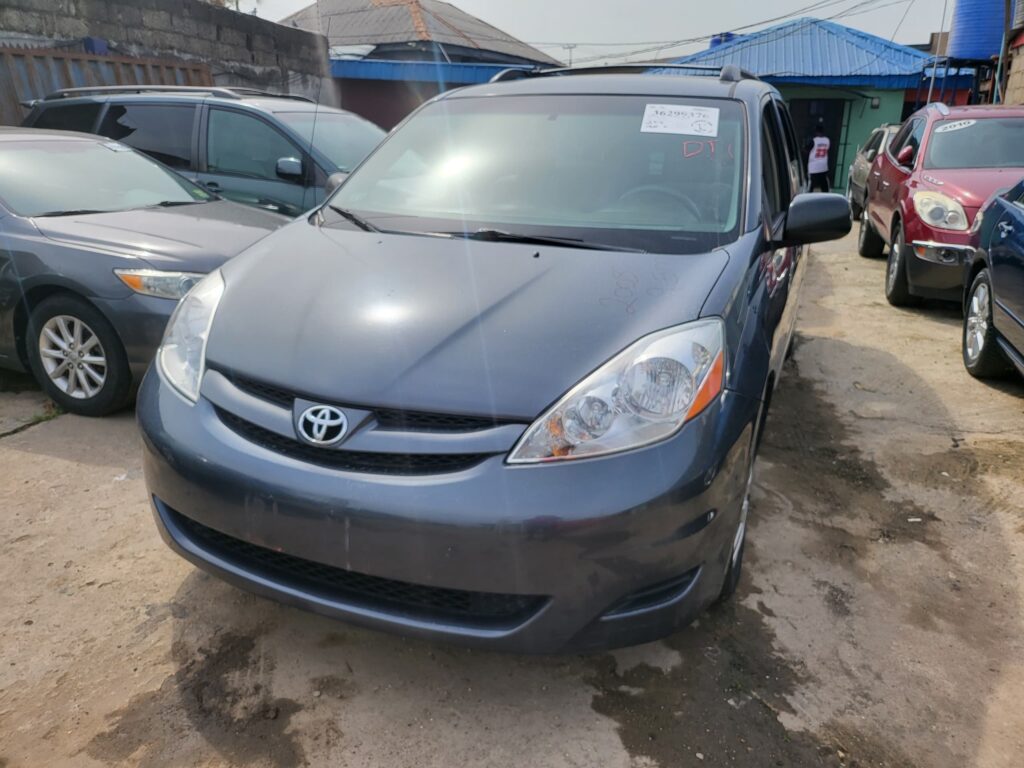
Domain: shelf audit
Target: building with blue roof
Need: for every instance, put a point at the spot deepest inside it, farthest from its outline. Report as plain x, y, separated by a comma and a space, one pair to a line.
849, 80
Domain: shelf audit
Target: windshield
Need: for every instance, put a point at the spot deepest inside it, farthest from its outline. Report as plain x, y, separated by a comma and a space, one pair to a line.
990, 142
343, 138
48, 177
654, 173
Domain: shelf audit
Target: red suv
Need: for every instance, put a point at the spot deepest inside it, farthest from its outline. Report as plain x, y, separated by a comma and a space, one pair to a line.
925, 189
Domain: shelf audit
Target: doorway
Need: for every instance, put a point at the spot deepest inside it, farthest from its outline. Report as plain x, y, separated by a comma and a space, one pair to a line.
807, 113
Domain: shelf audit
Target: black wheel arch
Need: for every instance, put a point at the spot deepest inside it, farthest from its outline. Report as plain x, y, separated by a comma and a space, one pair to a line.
977, 264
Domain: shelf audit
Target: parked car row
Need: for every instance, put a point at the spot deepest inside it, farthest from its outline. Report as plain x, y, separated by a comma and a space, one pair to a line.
944, 195
103, 234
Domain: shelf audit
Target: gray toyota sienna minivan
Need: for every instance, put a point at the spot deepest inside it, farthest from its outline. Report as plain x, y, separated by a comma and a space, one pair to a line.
505, 386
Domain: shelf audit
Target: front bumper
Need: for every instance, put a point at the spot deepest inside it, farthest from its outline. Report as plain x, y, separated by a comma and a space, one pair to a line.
140, 322
581, 542
935, 267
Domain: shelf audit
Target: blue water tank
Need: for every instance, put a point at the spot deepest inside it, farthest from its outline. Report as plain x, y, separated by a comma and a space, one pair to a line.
977, 30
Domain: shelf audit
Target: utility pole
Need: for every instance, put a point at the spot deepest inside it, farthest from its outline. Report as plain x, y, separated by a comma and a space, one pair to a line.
935, 61
569, 47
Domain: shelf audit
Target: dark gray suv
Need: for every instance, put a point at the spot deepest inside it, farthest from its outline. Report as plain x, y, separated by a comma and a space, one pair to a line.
506, 386
275, 152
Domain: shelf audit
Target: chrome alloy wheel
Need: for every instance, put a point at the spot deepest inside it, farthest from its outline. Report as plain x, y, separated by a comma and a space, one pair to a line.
73, 357
978, 313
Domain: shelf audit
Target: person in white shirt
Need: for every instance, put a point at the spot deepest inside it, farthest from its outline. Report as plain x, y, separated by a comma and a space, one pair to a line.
817, 160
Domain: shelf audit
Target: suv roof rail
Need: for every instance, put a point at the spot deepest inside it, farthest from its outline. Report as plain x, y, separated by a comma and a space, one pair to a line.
728, 73
213, 90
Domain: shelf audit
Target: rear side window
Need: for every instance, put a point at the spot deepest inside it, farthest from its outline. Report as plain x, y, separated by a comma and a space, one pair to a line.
162, 131
69, 117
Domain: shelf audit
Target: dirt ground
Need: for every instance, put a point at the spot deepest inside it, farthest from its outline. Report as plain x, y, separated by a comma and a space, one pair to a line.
879, 623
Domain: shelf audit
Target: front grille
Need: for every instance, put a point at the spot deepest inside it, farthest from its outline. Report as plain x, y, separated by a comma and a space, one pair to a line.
432, 603
387, 418
352, 461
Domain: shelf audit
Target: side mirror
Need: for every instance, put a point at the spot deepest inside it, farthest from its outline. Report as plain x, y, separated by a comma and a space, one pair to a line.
334, 181
906, 157
871, 154
815, 217
289, 168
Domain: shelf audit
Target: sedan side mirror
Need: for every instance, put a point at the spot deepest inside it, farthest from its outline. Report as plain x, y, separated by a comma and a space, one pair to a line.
870, 154
906, 157
289, 168
815, 217
334, 181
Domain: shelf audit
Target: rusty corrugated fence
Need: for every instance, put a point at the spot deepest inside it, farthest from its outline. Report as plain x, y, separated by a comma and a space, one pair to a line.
32, 73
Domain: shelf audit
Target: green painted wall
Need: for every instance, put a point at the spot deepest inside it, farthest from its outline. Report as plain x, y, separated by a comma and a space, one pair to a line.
858, 117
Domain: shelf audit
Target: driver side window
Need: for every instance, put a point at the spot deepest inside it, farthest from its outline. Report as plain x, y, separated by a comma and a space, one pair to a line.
245, 146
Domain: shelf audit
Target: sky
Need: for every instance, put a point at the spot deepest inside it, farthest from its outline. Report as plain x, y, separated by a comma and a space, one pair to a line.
642, 24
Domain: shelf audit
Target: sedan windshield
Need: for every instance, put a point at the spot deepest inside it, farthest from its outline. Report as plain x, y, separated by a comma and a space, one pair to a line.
650, 173
990, 142
344, 139
51, 177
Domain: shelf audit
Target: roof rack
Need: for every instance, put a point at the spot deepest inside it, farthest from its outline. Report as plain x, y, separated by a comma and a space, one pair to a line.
223, 92
729, 73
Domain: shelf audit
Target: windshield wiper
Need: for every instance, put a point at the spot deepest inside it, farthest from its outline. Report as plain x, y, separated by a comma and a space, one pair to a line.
355, 218
500, 236
75, 212
175, 203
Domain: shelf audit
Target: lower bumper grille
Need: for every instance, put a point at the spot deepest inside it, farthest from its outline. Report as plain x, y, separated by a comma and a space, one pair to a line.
352, 461
477, 609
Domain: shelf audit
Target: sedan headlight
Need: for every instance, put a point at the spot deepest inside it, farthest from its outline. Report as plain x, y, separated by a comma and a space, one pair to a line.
156, 282
939, 210
182, 355
642, 395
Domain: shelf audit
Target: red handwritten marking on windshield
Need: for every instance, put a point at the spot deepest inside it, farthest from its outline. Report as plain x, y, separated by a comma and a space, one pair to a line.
692, 148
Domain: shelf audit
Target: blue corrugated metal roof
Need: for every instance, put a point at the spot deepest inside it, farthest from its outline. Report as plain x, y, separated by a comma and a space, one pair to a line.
821, 52
442, 72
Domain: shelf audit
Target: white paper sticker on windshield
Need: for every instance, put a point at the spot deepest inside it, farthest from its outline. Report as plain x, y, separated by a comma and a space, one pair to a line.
956, 125
680, 119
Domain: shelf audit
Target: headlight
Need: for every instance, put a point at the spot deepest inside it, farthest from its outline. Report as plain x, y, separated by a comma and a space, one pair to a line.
642, 395
938, 210
182, 355
156, 282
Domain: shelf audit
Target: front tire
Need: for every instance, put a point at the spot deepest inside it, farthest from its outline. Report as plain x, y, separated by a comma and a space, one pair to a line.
897, 289
77, 357
983, 358
869, 244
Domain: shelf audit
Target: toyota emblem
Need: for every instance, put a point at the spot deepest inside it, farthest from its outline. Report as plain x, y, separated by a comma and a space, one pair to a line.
322, 425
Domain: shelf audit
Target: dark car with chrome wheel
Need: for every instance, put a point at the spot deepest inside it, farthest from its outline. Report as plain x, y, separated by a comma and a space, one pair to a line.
514, 380
99, 243
993, 332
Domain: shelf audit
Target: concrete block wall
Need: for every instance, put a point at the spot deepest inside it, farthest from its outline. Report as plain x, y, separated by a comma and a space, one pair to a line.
241, 49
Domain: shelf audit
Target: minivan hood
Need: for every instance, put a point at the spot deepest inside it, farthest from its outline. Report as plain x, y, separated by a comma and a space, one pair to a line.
428, 324
192, 238
971, 187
